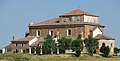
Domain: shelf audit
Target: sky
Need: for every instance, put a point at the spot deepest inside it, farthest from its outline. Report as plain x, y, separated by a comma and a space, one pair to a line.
15, 15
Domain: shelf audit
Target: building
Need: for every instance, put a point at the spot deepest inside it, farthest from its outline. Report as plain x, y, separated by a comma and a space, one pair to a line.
69, 25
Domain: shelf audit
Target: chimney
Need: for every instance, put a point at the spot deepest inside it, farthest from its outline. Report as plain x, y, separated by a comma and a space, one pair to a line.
13, 38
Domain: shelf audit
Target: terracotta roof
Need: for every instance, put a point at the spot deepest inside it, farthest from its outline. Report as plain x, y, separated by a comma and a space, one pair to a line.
53, 22
101, 36
95, 28
8, 46
77, 12
25, 38
40, 40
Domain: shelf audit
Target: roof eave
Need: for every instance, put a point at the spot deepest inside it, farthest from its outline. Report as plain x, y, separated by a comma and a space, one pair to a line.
77, 15
65, 25
103, 39
19, 41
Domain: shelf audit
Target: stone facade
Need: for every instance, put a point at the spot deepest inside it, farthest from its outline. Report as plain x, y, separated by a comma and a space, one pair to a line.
69, 25
75, 30
19, 46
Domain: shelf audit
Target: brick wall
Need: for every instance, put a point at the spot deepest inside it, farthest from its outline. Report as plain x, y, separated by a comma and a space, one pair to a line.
62, 31
19, 46
76, 31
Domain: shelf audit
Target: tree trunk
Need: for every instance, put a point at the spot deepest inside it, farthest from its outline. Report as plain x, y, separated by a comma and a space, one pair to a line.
51, 51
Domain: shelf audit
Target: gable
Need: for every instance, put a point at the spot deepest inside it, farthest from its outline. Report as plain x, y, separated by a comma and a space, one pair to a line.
96, 31
32, 41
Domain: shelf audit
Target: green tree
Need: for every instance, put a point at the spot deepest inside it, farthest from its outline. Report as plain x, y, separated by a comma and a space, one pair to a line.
65, 44
48, 45
38, 50
77, 46
105, 50
0, 50
91, 44
32, 50
116, 50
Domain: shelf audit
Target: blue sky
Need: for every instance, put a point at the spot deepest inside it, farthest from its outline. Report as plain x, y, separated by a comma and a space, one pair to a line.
15, 15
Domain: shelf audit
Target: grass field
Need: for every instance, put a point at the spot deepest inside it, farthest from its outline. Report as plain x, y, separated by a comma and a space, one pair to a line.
61, 57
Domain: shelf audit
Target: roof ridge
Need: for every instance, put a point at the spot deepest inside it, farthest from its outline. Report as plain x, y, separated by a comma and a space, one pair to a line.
102, 36
44, 22
77, 11
24, 38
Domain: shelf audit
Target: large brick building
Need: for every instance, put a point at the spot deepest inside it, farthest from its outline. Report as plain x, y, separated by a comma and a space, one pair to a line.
69, 25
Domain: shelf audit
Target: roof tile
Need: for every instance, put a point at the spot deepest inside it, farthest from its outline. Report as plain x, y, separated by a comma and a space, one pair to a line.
101, 36
53, 22
77, 12
25, 38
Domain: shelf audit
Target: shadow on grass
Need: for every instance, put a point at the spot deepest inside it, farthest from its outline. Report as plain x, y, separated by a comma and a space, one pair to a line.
106, 56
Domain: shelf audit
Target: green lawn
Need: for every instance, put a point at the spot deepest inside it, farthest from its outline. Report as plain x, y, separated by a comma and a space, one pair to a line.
61, 57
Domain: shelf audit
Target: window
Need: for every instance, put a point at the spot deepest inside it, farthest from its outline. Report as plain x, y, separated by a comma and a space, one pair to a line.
111, 44
16, 44
22, 45
57, 21
75, 18
69, 32
16, 51
51, 32
66, 19
37, 33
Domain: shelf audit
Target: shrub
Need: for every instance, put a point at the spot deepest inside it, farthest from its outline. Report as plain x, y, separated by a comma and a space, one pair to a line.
65, 43
77, 46
105, 50
78, 52
25, 50
91, 44
48, 45
116, 50
38, 50
0, 50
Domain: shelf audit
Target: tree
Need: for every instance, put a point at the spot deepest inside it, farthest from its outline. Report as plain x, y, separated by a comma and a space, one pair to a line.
91, 44
116, 50
32, 50
105, 50
0, 50
38, 50
77, 46
78, 52
65, 44
48, 45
